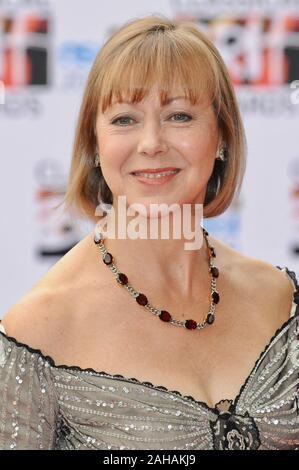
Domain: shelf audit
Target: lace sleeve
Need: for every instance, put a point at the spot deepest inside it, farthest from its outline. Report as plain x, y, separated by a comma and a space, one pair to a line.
28, 405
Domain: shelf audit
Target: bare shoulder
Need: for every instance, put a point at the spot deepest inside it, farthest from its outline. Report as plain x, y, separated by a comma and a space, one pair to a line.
272, 283
273, 290
260, 281
37, 318
43, 317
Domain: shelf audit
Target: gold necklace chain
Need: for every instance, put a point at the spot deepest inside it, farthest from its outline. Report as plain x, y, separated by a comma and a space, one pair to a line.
142, 300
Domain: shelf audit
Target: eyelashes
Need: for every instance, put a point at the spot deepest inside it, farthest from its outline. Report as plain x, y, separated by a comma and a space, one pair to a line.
115, 121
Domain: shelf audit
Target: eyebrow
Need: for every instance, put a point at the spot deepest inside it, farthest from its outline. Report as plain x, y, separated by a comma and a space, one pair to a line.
169, 100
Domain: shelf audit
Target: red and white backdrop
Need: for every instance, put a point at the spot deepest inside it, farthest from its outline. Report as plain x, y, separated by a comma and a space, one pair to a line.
46, 50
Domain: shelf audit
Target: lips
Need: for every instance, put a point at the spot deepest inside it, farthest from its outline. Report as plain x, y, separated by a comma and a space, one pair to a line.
155, 170
156, 178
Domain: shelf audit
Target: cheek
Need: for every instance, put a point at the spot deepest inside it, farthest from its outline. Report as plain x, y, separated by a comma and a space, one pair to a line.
113, 153
200, 145
201, 155
200, 158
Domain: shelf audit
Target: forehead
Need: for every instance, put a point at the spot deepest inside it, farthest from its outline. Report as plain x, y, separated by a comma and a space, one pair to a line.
155, 96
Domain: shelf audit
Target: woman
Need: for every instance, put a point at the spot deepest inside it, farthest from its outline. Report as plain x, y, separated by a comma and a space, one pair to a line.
198, 346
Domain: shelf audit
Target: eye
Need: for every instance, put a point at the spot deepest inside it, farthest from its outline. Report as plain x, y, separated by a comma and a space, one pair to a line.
120, 118
182, 114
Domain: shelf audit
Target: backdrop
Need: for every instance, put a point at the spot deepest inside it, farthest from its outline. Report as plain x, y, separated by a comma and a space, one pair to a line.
46, 50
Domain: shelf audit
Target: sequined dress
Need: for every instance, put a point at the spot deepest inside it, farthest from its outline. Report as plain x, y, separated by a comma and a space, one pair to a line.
46, 406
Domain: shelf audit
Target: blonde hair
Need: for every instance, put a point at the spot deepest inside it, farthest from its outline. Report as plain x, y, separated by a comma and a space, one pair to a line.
144, 51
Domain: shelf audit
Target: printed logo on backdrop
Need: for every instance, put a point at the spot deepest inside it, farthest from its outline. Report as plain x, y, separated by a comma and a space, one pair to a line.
24, 49
74, 62
259, 42
24, 59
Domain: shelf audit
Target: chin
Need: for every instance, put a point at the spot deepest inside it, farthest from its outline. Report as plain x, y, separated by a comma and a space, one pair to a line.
145, 209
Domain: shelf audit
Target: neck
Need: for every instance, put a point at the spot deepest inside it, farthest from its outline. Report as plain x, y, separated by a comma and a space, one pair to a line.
164, 265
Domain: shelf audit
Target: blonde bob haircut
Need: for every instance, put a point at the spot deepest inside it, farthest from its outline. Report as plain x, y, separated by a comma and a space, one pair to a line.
144, 51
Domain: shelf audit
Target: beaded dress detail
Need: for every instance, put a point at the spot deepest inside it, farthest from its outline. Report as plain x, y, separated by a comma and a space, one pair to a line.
48, 406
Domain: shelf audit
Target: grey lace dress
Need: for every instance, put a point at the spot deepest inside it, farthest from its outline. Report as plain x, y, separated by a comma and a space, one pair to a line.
46, 406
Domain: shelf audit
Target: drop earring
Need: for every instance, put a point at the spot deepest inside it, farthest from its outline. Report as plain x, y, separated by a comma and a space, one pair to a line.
222, 154
97, 162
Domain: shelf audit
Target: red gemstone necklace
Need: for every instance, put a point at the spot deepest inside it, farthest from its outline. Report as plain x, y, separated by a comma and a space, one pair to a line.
142, 300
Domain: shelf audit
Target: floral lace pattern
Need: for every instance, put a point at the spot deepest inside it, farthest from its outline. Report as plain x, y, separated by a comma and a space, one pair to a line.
232, 431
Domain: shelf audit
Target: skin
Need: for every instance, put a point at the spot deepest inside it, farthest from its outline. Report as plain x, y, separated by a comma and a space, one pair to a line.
78, 315
153, 136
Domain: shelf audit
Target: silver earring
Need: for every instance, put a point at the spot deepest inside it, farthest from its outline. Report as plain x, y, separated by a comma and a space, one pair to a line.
222, 154
97, 160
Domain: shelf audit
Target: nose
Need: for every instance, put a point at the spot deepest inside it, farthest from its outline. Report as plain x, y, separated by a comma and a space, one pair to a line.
151, 141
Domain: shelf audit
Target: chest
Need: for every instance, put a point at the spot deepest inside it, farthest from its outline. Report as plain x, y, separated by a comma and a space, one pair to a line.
209, 364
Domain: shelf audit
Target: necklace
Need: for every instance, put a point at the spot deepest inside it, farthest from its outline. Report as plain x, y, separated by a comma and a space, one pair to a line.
142, 300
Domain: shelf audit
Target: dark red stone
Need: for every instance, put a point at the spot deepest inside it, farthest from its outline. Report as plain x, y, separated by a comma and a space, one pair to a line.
122, 278
108, 258
141, 299
210, 319
190, 324
212, 250
165, 316
215, 297
214, 271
